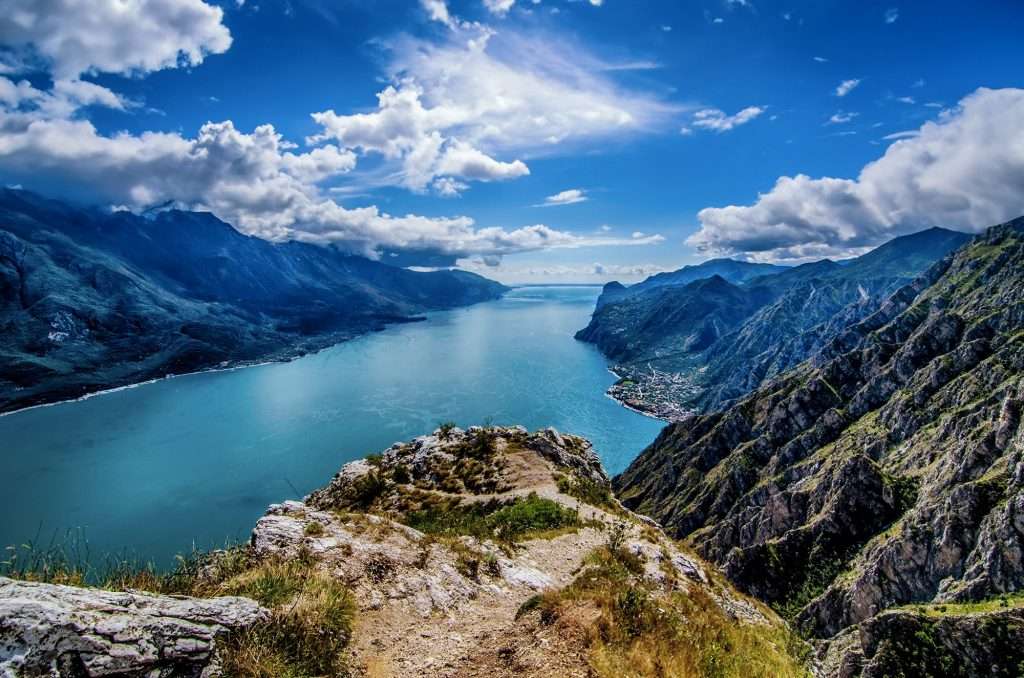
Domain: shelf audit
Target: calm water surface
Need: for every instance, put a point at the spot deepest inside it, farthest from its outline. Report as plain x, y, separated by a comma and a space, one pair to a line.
195, 460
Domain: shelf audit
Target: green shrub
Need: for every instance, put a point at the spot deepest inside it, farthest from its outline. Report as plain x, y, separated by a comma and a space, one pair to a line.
313, 529
400, 474
521, 519
587, 491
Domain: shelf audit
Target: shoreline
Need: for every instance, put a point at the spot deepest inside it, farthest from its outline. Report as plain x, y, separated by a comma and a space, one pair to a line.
608, 394
154, 380
668, 414
241, 365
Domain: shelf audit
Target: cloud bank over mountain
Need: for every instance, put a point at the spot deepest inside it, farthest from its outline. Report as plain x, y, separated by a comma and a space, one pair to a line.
964, 170
454, 106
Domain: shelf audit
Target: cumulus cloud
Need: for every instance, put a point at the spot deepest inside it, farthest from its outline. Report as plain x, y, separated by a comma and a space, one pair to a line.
437, 10
254, 182
718, 121
499, 7
568, 197
452, 109
111, 36
964, 170
846, 86
454, 106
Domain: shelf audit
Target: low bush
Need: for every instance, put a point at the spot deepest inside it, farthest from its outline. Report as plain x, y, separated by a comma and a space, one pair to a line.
523, 518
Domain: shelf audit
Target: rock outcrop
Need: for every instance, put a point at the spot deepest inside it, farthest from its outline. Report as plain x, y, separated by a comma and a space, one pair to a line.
909, 643
887, 470
71, 632
461, 553
441, 606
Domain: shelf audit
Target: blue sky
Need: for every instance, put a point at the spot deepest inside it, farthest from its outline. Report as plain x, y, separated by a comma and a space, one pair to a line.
555, 141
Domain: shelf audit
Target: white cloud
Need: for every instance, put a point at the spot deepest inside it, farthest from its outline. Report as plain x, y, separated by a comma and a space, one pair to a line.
455, 106
568, 197
255, 183
437, 10
446, 187
846, 86
452, 108
718, 121
113, 36
462, 160
499, 7
964, 170
909, 134
23, 102
891, 15
596, 272
906, 100
841, 118
820, 60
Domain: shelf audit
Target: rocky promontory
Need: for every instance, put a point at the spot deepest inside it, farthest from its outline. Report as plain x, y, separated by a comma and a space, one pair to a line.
489, 551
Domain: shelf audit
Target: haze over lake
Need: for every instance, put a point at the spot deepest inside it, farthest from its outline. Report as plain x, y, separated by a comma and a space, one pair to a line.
197, 459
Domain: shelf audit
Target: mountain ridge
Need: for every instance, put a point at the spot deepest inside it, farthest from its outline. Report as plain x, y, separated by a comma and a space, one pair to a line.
714, 353
887, 470
92, 300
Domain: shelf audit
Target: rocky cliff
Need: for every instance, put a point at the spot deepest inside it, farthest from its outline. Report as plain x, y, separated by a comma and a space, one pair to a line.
487, 552
691, 348
887, 470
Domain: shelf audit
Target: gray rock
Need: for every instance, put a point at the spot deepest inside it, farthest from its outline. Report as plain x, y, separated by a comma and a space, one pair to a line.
65, 631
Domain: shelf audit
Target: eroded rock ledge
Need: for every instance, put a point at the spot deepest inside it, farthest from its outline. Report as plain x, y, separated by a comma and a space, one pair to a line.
53, 630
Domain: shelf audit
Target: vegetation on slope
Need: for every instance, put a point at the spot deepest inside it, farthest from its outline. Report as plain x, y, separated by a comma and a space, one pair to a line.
635, 628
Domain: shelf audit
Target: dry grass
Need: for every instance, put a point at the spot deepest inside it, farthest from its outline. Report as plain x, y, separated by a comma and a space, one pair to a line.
309, 628
639, 631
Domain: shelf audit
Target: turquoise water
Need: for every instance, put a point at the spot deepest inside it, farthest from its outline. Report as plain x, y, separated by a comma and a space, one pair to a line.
195, 460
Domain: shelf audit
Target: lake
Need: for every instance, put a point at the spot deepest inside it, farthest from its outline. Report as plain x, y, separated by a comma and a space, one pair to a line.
191, 461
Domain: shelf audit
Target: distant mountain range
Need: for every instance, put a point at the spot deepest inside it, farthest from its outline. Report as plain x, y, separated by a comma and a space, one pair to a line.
874, 493
91, 299
729, 269
692, 346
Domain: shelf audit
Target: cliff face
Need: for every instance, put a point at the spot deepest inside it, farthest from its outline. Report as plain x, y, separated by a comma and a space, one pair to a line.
92, 300
887, 470
487, 552
691, 348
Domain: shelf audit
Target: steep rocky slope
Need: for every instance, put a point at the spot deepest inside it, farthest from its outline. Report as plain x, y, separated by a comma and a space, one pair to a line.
689, 348
487, 552
91, 300
887, 470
